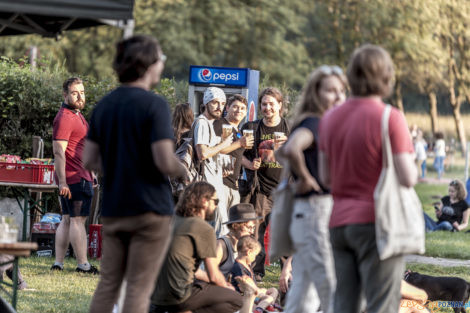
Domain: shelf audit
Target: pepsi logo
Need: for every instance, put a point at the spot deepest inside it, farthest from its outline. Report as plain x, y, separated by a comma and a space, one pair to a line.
205, 74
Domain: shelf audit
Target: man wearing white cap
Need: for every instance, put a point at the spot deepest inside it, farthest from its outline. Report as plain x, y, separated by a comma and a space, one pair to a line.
209, 145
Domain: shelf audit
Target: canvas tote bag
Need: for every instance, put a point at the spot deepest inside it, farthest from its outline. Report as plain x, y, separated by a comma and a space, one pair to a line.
399, 220
280, 242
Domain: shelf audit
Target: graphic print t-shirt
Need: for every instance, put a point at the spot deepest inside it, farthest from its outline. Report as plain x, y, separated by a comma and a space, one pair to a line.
270, 171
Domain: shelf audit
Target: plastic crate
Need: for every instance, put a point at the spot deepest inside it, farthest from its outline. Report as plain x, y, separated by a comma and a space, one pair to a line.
27, 173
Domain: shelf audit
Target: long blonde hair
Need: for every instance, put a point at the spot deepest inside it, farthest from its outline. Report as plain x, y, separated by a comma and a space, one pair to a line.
309, 103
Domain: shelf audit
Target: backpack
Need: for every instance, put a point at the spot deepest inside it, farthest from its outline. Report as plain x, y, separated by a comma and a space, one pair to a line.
186, 154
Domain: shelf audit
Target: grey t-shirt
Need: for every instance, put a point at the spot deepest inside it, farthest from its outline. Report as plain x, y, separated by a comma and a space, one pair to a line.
193, 240
204, 134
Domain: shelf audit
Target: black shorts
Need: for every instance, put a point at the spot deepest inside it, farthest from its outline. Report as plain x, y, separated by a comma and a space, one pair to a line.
79, 205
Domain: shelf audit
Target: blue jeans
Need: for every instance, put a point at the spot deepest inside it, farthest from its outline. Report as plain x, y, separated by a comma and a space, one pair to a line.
423, 169
431, 225
439, 165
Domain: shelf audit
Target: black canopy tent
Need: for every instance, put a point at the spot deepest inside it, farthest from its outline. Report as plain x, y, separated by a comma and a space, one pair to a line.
50, 18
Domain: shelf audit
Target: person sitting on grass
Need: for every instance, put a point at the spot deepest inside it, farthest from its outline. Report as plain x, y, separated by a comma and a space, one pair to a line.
242, 218
452, 213
413, 299
248, 248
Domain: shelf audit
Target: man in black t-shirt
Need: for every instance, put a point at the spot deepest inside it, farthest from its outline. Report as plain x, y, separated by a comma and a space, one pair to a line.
130, 141
236, 111
270, 134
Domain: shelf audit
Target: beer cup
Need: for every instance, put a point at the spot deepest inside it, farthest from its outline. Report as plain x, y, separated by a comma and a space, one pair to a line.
248, 133
226, 131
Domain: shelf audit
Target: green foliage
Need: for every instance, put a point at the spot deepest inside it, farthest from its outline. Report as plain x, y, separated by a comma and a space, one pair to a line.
29, 101
173, 91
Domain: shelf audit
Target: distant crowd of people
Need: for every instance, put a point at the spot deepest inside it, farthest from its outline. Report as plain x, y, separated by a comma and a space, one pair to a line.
207, 253
443, 153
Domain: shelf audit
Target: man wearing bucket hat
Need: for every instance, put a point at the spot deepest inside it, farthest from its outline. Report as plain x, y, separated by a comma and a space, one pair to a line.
241, 222
208, 146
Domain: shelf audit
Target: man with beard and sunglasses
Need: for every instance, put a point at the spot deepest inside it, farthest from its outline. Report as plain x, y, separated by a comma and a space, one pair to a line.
182, 286
75, 182
208, 146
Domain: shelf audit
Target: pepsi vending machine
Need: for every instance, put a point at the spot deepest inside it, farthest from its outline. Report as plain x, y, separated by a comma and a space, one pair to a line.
231, 80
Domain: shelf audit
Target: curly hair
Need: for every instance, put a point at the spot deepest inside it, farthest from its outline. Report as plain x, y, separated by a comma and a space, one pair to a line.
237, 228
460, 188
192, 200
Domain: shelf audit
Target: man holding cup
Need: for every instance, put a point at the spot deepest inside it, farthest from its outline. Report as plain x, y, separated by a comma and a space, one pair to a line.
228, 126
270, 133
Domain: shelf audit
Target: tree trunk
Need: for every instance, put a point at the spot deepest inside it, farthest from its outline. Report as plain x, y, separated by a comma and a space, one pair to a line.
433, 111
399, 97
459, 126
456, 102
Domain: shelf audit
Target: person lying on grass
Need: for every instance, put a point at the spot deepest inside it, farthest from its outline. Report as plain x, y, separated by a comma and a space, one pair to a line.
248, 248
413, 299
452, 213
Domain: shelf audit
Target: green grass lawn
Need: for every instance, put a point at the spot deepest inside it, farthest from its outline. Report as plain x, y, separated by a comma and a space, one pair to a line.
67, 291
54, 292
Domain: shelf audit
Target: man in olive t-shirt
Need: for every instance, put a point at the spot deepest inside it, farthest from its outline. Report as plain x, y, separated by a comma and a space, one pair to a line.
181, 285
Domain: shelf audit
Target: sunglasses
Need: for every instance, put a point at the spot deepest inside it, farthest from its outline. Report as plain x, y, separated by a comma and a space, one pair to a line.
330, 70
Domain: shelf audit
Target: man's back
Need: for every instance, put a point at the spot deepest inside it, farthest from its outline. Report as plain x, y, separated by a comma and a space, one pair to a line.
124, 124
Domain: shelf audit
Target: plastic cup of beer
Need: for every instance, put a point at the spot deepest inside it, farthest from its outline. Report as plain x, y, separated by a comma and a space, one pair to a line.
248, 133
226, 131
278, 135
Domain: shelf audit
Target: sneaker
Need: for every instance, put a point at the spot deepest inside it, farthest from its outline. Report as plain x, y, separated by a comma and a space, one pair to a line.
277, 307
93, 270
56, 267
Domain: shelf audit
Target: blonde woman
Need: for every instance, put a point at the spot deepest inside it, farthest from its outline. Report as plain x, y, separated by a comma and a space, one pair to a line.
452, 213
313, 279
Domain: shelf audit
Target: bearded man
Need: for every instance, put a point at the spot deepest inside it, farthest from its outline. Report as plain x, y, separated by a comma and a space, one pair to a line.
182, 286
75, 182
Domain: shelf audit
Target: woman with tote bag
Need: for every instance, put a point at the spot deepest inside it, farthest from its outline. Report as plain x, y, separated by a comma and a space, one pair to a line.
350, 163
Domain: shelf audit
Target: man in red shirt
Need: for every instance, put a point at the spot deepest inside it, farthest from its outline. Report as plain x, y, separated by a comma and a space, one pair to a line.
75, 183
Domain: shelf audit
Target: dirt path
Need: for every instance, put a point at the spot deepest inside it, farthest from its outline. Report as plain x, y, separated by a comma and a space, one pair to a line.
436, 261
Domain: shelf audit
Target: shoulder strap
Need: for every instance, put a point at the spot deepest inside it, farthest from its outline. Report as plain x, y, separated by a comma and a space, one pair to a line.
257, 136
386, 146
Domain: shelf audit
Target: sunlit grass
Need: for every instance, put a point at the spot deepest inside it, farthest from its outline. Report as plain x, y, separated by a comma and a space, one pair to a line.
68, 291
446, 123
54, 292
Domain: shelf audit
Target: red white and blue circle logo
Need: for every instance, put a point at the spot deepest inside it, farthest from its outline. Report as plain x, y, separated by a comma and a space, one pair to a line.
205, 74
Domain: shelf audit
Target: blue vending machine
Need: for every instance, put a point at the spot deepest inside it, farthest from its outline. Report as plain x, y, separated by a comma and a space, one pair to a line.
231, 80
